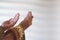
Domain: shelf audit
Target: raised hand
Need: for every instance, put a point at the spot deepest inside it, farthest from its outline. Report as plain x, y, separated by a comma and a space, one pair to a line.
11, 22
12, 33
27, 21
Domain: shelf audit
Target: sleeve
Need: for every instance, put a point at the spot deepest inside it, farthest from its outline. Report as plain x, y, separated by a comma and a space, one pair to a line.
20, 31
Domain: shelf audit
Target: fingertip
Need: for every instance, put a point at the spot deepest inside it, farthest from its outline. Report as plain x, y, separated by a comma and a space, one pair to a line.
29, 13
18, 14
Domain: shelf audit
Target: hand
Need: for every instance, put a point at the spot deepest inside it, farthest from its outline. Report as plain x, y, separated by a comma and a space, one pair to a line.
27, 21
11, 22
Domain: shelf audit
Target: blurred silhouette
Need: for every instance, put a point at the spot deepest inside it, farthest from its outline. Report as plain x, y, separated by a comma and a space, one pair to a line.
8, 32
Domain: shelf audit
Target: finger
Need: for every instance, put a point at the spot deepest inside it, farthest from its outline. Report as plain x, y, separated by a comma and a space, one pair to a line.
15, 19
29, 15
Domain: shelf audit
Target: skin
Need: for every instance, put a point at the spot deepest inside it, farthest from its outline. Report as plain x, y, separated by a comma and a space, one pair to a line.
11, 22
8, 36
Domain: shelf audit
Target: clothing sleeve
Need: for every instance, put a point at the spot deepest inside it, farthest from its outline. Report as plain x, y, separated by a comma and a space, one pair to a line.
20, 31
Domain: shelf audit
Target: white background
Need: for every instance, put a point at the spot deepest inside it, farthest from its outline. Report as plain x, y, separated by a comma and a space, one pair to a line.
46, 21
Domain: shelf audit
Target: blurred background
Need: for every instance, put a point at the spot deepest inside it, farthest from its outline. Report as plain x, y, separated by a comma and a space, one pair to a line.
46, 21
